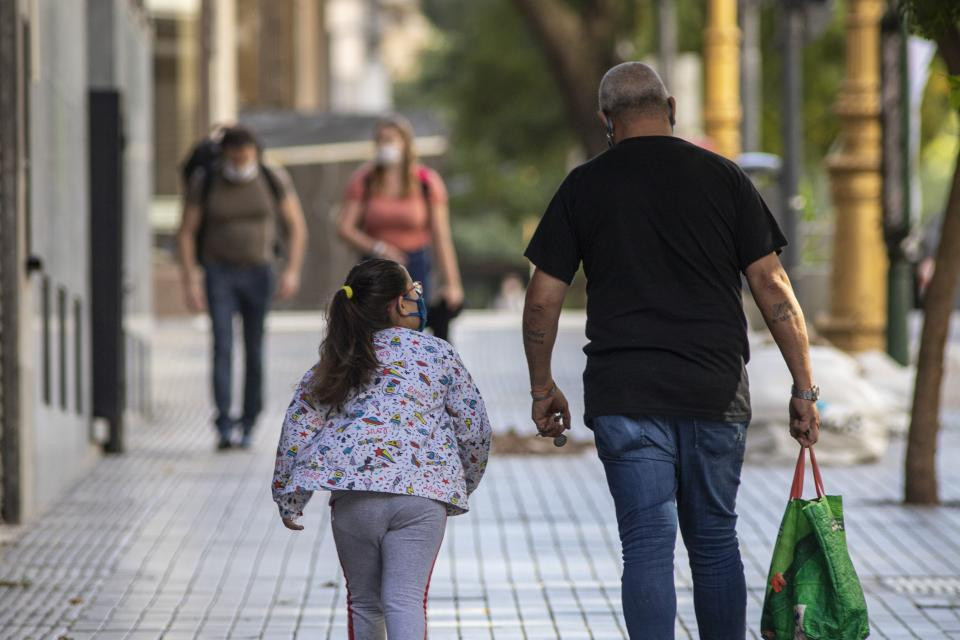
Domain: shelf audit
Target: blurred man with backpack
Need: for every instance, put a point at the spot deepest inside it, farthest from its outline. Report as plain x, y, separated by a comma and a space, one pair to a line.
233, 211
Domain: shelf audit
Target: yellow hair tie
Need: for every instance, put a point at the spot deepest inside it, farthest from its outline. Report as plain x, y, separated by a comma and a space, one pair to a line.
348, 290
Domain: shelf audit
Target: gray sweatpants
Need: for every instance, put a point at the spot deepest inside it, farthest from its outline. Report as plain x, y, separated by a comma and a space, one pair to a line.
387, 546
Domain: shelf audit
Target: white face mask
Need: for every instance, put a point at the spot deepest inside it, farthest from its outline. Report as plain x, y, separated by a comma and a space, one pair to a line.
389, 154
244, 173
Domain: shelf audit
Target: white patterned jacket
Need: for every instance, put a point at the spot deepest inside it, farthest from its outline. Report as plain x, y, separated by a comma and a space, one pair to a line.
419, 428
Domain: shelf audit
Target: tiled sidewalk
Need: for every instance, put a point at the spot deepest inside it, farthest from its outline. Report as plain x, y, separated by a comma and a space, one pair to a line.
176, 541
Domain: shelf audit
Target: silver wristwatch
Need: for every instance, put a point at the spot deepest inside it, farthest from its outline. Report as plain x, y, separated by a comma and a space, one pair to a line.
812, 394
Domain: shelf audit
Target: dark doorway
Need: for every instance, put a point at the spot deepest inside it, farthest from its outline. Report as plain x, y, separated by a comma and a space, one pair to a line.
106, 262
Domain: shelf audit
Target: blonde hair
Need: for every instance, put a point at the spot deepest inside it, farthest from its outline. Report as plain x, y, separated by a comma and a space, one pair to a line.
409, 162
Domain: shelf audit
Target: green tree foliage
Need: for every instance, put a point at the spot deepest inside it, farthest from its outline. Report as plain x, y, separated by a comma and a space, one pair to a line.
931, 18
822, 75
512, 142
509, 138
937, 20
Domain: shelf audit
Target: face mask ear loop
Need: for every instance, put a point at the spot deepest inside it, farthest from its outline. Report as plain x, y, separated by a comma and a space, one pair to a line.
420, 313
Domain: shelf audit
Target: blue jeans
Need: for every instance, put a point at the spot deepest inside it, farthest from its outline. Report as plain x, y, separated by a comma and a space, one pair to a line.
419, 266
247, 291
660, 470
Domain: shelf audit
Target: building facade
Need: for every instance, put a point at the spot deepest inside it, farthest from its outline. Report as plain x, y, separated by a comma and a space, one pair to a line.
57, 61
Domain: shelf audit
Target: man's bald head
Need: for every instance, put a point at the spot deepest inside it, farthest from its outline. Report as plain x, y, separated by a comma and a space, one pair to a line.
633, 89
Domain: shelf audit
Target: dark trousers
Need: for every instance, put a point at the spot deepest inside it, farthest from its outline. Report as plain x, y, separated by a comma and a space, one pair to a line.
247, 291
661, 471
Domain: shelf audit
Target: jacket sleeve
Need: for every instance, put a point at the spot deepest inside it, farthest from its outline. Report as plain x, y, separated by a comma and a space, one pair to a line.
300, 423
471, 425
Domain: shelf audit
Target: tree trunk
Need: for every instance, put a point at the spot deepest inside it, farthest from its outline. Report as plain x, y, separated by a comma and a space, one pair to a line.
579, 50
921, 485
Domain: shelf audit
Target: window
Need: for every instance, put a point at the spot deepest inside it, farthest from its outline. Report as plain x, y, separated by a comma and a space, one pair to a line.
62, 347
45, 340
78, 352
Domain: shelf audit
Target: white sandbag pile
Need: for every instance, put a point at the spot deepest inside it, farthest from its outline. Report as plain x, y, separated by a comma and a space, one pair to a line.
864, 400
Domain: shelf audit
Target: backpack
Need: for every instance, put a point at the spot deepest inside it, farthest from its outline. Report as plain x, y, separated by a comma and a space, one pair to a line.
207, 156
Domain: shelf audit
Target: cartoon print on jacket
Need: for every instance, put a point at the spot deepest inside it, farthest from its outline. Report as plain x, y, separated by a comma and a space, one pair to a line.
402, 433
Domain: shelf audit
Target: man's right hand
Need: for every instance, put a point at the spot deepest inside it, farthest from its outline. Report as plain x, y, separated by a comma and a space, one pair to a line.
545, 410
804, 421
193, 296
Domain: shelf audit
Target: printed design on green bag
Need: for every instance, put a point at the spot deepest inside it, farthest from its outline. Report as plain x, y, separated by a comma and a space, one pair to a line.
799, 611
778, 583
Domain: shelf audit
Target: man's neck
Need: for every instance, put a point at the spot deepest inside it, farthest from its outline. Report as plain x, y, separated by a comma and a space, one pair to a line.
643, 127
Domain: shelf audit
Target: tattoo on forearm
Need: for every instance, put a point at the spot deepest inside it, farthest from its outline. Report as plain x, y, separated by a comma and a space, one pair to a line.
783, 311
534, 336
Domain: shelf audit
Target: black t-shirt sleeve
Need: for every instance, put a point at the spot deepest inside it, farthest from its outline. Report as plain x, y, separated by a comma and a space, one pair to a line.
554, 247
758, 233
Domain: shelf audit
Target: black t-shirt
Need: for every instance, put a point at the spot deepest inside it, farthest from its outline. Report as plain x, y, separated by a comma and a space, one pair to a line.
663, 228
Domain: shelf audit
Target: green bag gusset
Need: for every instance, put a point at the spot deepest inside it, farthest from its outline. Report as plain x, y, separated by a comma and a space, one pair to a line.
813, 592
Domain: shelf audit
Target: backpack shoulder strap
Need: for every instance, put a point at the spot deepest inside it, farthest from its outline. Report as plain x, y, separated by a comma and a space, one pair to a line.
273, 181
423, 177
208, 177
365, 194
367, 187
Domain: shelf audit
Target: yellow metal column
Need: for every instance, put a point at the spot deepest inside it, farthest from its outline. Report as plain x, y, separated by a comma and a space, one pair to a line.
721, 54
858, 296
307, 55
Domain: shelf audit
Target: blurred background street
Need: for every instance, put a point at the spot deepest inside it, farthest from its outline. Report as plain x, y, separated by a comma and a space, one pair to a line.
118, 519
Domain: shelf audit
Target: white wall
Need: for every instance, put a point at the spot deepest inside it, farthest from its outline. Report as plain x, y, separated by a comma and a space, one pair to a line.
57, 438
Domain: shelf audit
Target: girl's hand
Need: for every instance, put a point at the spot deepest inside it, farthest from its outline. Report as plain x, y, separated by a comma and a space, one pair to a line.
453, 296
289, 284
289, 523
390, 252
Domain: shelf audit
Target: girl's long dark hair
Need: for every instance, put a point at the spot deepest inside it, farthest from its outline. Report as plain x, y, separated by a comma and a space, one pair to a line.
347, 358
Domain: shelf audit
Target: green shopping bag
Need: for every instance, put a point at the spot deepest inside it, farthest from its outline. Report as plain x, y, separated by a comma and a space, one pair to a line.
813, 592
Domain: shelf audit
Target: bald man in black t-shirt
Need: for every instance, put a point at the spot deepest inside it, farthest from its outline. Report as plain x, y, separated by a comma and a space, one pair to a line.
664, 229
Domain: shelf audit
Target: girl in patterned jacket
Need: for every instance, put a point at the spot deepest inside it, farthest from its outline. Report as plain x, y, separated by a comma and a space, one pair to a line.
390, 422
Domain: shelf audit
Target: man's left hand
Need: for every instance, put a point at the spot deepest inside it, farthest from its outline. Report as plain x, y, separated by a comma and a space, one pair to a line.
804, 422
289, 284
544, 411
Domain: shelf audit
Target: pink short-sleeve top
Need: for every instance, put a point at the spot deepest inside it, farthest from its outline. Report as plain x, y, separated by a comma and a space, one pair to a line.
402, 222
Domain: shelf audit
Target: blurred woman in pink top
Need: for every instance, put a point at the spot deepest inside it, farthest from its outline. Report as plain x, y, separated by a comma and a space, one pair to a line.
396, 208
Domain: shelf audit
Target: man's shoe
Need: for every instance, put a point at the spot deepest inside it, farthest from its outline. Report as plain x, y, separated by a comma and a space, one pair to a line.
245, 441
224, 444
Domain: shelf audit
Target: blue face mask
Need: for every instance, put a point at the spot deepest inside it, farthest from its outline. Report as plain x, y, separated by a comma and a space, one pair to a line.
421, 312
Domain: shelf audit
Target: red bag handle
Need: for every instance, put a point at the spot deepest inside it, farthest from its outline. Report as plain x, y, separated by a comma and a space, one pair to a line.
796, 490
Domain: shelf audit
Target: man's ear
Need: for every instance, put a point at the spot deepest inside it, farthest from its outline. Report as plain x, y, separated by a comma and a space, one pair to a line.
603, 118
672, 105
